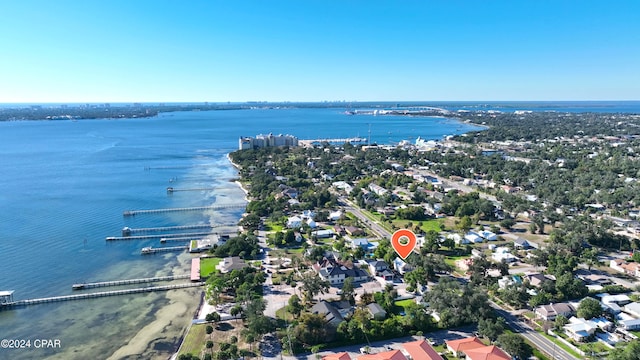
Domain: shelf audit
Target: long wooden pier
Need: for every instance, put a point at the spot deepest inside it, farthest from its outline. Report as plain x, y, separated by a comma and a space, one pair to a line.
151, 250
98, 294
82, 286
172, 189
194, 208
156, 236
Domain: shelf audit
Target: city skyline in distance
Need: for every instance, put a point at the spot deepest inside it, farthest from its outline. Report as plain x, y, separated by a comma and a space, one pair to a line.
313, 51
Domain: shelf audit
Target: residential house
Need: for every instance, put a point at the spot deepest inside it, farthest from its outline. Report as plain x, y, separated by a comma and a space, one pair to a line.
376, 267
331, 313
231, 263
551, 311
354, 231
502, 254
312, 224
535, 279
294, 222
335, 215
336, 273
376, 311
361, 242
488, 235
459, 240
486, 353
629, 325
580, 329
377, 189
629, 268
386, 355
323, 234
400, 266
460, 346
521, 243
338, 356
633, 309
472, 237
421, 350
290, 192
618, 299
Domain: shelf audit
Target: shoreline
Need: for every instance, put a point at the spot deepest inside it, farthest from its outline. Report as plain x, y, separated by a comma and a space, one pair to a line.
203, 307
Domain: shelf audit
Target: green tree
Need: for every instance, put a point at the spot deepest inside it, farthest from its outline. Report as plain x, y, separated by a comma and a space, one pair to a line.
589, 308
212, 317
626, 351
348, 291
514, 344
313, 285
294, 305
491, 328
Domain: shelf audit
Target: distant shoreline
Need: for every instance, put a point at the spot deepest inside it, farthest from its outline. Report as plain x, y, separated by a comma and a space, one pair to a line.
33, 112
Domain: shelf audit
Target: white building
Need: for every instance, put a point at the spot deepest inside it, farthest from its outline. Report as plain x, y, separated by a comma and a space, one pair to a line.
269, 140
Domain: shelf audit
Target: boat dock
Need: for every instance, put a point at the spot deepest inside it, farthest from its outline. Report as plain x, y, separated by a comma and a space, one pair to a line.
194, 208
157, 236
127, 231
180, 239
4, 305
151, 250
82, 286
172, 189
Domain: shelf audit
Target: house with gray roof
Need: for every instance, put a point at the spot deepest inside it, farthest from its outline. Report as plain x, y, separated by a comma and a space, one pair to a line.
551, 311
376, 311
330, 313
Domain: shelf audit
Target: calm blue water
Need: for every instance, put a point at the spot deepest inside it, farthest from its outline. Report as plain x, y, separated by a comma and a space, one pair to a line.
65, 184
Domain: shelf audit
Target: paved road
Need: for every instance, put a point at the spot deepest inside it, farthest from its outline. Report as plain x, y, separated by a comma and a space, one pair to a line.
373, 225
539, 341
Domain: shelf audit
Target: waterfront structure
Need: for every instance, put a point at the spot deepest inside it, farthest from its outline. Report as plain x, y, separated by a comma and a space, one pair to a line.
268, 140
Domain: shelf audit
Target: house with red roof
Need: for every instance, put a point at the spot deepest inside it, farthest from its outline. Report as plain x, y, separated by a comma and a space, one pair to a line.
338, 356
487, 353
421, 350
460, 346
387, 355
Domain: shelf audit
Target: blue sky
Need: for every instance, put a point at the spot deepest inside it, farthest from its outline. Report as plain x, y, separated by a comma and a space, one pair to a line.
316, 50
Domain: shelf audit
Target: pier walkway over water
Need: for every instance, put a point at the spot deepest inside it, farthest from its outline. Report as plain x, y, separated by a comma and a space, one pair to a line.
127, 282
152, 250
195, 208
127, 231
97, 294
158, 236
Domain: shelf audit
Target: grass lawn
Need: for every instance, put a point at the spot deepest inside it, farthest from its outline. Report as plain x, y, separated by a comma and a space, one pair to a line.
271, 226
208, 266
399, 306
194, 341
432, 224
451, 260
281, 313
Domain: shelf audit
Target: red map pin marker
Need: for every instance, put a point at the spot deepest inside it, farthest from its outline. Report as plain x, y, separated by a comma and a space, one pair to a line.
403, 242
